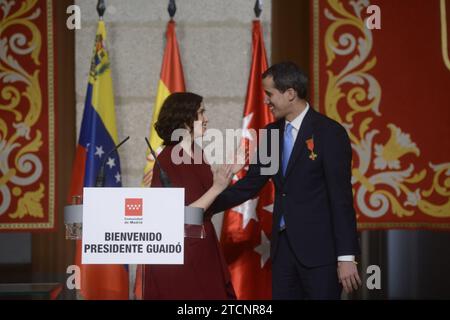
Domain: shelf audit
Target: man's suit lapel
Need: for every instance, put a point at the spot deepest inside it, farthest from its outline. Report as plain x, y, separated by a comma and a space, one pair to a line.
305, 133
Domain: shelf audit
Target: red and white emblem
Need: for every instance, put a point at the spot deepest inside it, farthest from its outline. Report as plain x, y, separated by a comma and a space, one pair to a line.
133, 207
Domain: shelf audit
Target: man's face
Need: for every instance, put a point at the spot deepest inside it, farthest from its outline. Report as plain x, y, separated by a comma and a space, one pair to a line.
278, 102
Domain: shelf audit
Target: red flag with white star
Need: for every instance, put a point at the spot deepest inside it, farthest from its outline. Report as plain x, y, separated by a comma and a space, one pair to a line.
246, 229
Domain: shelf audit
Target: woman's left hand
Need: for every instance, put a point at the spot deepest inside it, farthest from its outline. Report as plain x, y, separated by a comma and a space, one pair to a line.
222, 177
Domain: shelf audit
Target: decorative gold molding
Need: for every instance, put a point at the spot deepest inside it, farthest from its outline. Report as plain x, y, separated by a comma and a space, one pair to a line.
51, 115
444, 35
316, 53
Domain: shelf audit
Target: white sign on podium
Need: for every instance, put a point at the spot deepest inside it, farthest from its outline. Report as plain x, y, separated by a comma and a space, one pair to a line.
133, 226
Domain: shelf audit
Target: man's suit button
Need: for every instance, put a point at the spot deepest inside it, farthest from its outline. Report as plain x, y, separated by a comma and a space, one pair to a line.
283, 194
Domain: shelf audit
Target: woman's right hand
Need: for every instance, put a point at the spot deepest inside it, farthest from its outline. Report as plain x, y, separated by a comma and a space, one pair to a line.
222, 177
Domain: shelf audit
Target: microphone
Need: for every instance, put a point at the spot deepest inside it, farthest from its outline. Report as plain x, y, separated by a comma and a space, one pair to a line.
165, 181
100, 180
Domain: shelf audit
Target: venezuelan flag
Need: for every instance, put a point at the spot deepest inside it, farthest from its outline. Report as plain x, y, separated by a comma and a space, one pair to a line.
98, 135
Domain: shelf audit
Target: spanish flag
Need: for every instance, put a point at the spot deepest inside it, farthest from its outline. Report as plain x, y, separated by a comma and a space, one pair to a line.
98, 135
171, 80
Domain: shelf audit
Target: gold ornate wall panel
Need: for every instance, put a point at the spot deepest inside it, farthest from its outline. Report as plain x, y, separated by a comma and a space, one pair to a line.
389, 87
27, 122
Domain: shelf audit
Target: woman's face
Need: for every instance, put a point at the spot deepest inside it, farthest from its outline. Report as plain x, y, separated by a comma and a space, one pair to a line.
201, 123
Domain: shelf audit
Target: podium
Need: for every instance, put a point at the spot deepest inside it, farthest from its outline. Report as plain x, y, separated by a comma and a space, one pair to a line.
133, 225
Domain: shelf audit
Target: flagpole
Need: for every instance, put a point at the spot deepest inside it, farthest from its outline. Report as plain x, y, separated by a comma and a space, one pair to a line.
258, 8
172, 9
101, 8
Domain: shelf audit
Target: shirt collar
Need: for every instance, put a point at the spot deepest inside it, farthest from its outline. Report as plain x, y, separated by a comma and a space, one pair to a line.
297, 122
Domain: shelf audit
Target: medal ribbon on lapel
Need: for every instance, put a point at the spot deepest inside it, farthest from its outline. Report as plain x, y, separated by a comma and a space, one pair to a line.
310, 145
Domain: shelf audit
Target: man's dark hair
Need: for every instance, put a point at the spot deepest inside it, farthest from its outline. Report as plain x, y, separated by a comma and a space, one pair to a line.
178, 111
287, 75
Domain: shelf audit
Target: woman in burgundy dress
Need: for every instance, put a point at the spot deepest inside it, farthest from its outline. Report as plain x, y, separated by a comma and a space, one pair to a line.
204, 274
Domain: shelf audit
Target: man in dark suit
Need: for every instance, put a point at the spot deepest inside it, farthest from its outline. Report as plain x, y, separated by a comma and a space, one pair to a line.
314, 236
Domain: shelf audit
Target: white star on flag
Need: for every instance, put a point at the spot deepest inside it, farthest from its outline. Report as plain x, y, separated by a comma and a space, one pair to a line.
248, 211
246, 122
263, 249
99, 151
117, 176
269, 208
111, 162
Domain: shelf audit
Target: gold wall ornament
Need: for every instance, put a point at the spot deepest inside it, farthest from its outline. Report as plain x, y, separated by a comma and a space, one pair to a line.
23, 146
384, 181
365, 94
398, 145
16, 76
444, 35
30, 204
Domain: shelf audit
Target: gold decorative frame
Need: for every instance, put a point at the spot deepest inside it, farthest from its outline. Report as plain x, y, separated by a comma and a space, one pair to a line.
444, 34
